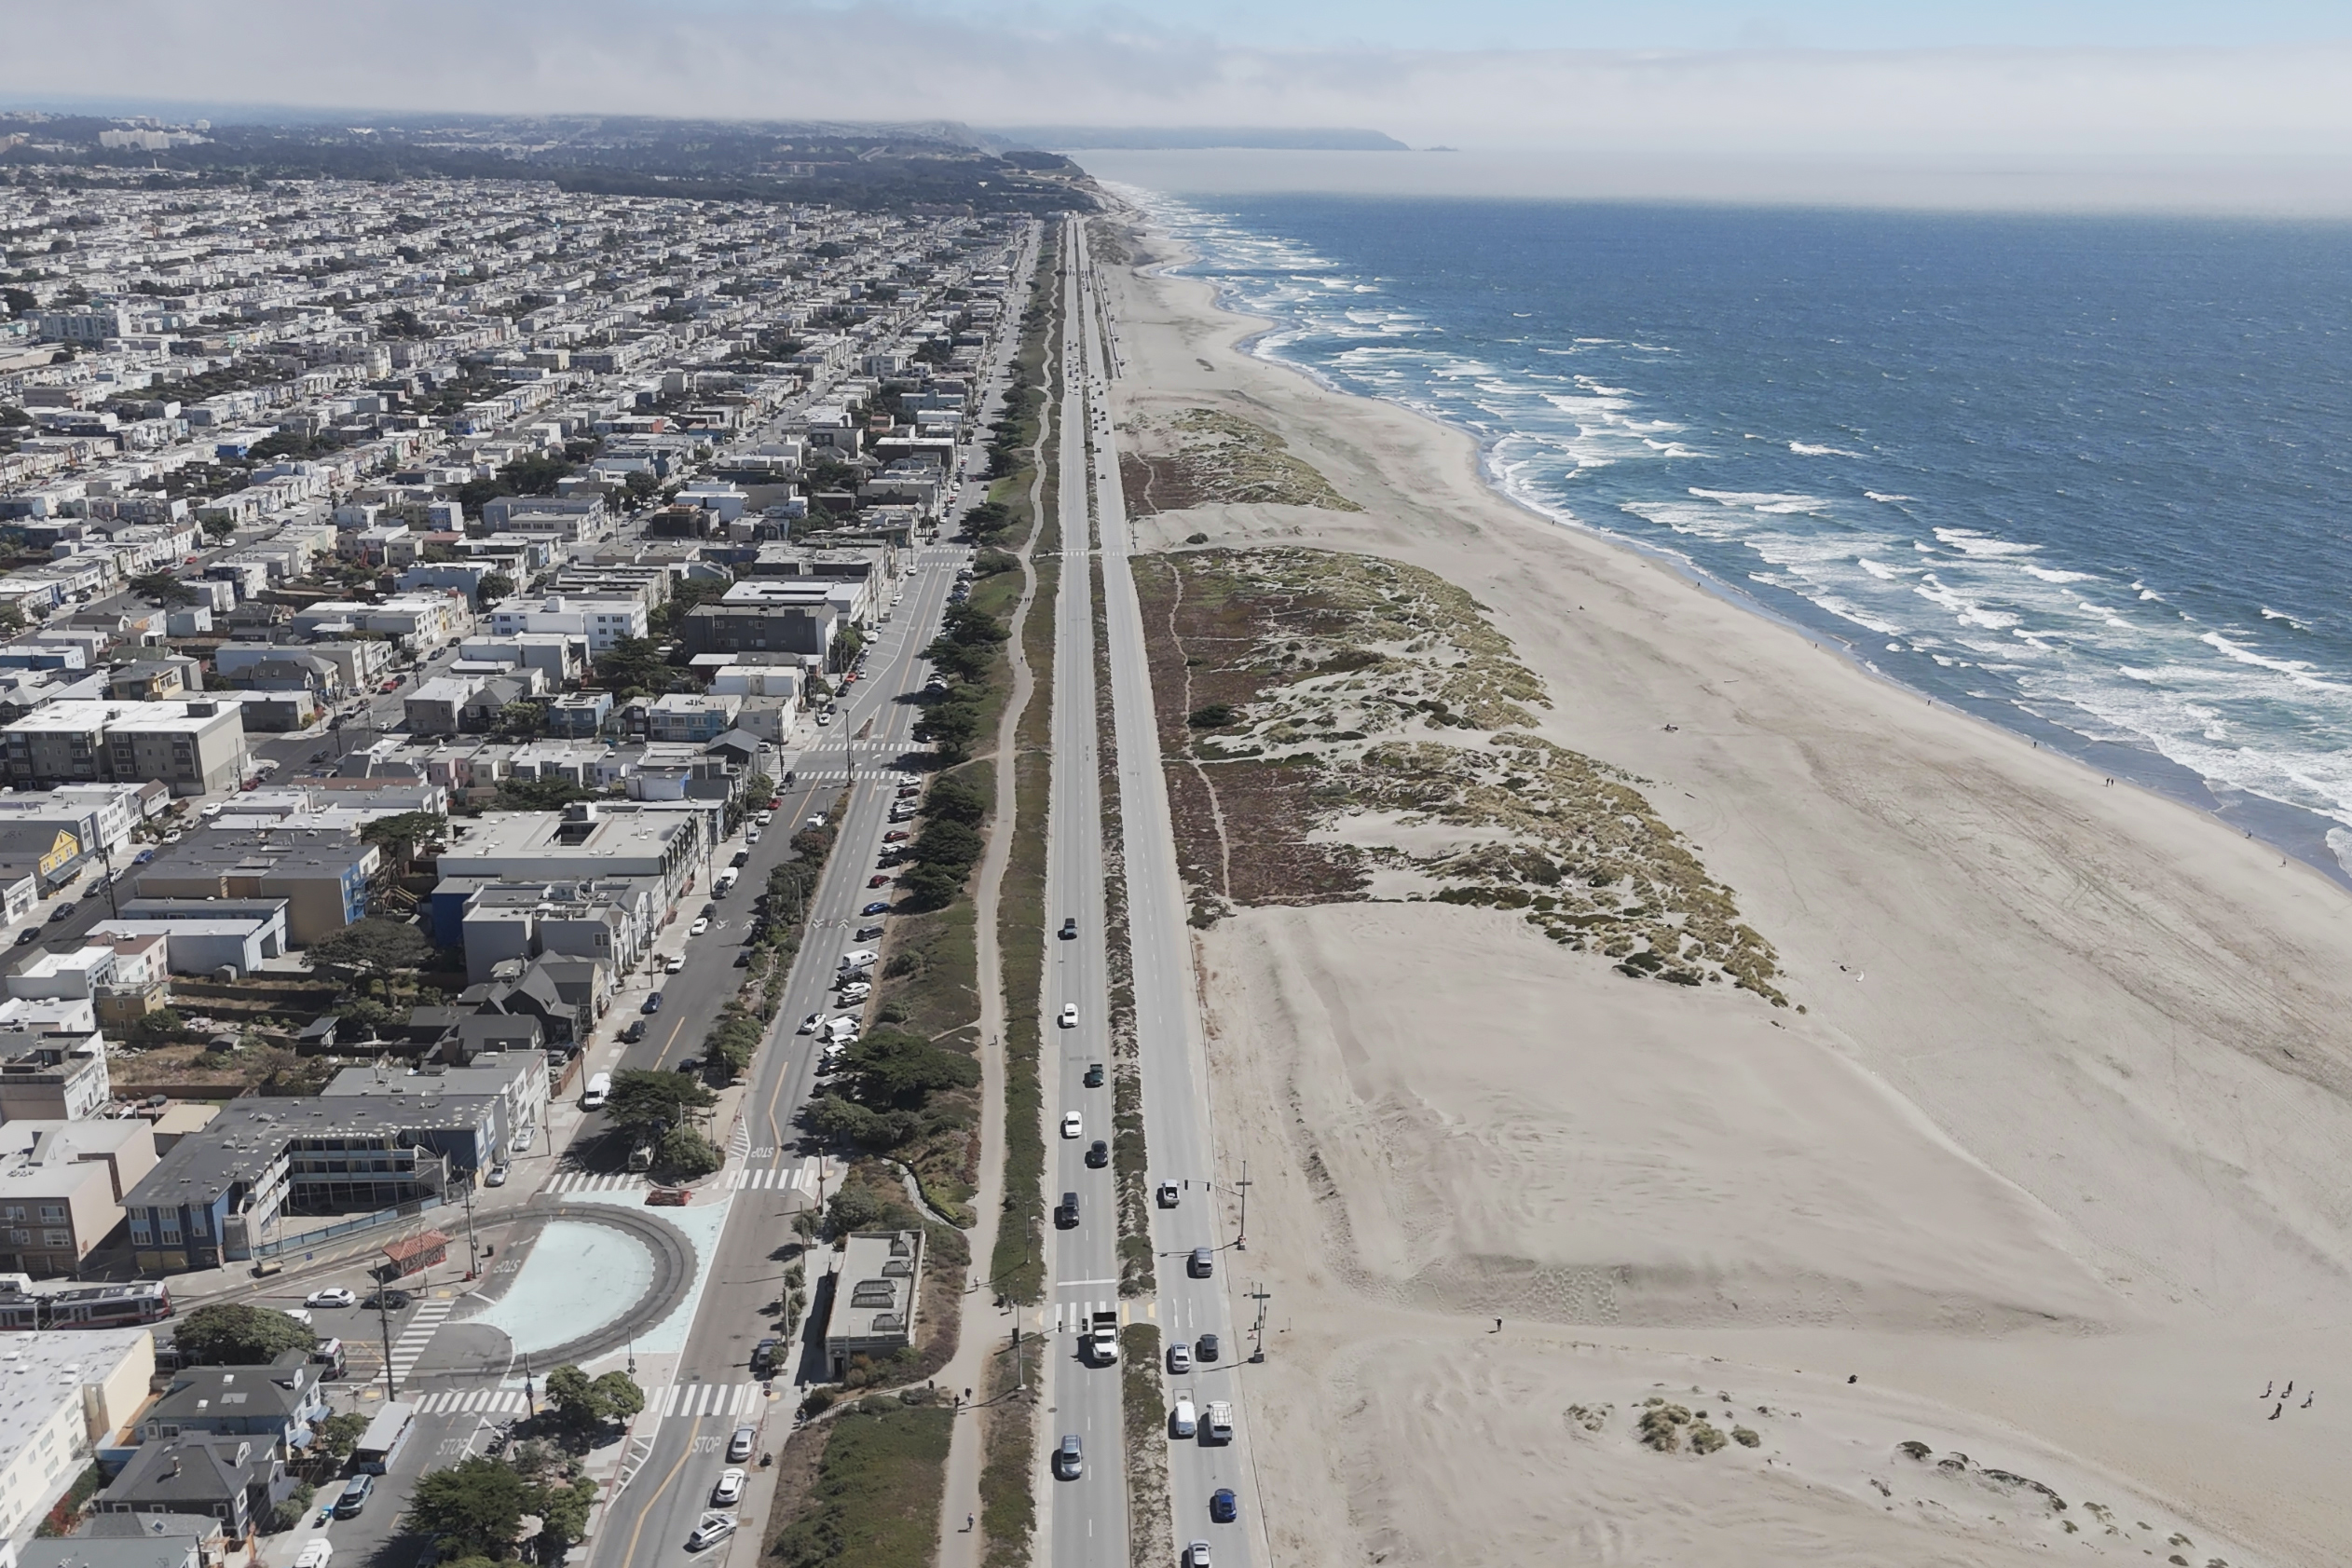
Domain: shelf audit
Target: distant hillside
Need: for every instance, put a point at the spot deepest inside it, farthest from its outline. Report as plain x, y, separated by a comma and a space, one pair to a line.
1138, 138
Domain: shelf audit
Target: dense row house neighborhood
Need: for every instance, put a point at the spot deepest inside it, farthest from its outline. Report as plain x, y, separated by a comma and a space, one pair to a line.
439, 559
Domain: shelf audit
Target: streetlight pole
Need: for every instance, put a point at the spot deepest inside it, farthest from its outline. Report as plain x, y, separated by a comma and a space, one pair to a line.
1241, 1236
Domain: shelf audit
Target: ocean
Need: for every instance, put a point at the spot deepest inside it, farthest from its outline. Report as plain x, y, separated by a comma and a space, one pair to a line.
2088, 478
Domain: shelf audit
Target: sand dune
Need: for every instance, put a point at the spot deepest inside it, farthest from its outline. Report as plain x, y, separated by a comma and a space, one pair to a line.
2053, 1158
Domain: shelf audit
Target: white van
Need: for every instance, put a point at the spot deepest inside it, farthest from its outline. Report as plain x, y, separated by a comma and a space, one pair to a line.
599, 1090
1183, 1423
1220, 1429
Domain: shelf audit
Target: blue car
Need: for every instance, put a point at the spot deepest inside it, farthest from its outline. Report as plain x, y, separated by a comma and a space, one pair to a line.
143, 857
653, 1003
875, 909
1224, 1507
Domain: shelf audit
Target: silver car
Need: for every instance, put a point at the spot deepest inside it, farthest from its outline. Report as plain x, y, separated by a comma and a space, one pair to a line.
1069, 1460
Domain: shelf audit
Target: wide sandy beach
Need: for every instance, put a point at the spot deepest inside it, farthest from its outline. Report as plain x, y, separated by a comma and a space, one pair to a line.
2052, 1175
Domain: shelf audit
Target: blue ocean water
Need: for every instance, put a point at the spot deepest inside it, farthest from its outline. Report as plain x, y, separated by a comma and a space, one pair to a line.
2089, 477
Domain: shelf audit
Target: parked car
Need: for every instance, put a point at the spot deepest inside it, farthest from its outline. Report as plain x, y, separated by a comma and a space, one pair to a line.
29, 935
675, 963
880, 879
751, 836
869, 933
739, 1446
896, 836
496, 1176
764, 1358
332, 1296
701, 924
730, 1490
877, 908
143, 857
63, 911
316, 1553
712, 1529
356, 1492
653, 1003
690, 1064
635, 1032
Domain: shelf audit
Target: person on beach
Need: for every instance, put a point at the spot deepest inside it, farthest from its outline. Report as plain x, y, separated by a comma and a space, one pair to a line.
2275, 1409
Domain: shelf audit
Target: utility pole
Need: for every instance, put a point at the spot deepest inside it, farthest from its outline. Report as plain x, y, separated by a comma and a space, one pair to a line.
1020, 1381
473, 1254
1241, 1238
529, 1395
384, 1321
1257, 1330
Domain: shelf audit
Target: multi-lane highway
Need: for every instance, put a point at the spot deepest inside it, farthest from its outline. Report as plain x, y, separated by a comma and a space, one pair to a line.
1088, 1518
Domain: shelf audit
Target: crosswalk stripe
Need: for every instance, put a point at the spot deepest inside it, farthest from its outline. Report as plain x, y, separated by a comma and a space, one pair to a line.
595, 1181
686, 1401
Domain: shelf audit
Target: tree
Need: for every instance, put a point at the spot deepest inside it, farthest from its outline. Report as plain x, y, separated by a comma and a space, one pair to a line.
957, 798
563, 1512
296, 1504
894, 1068
540, 795
619, 1394
641, 1098
376, 943
474, 1508
759, 789
581, 1406
493, 587
338, 1435
685, 1153
162, 588
522, 717
219, 527
232, 1334
398, 836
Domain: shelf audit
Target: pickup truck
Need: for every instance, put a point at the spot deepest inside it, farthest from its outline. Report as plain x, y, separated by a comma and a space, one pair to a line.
1102, 1338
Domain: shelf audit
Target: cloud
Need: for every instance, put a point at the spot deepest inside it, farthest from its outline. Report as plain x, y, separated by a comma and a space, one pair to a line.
791, 59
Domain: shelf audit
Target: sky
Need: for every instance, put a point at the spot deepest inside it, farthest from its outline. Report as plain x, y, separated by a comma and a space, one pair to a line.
1823, 82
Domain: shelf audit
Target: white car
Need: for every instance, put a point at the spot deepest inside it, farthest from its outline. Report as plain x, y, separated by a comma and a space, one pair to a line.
300, 1314
497, 1176
702, 924
808, 1025
1074, 1125
1197, 1555
1069, 1014
730, 1490
751, 836
332, 1296
212, 808
315, 1553
816, 821
764, 818
675, 961
855, 992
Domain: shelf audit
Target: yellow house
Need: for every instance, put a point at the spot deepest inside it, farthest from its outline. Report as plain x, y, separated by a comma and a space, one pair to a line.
50, 849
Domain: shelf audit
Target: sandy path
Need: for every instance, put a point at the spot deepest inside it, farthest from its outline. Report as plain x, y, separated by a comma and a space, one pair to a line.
2056, 1152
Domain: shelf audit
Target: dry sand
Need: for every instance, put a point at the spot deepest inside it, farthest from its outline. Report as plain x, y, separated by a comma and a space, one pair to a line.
2054, 1162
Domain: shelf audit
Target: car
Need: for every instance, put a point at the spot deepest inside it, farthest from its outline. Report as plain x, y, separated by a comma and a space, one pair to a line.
764, 818
742, 958
742, 859
1070, 1457
855, 992
387, 1301
1224, 1507
877, 908
880, 879
708, 911
1094, 1075
300, 1314
1098, 1154
896, 836
332, 1296
751, 836
739, 1446
690, 1064
31, 934
173, 836
730, 1490
1069, 930
1202, 1264
143, 857
1180, 1358
210, 809
1205, 1349
816, 821
1066, 1212
702, 924
63, 911
764, 1358
653, 1003
869, 933
318, 755
315, 1553
356, 1492
824, 719
635, 1032
808, 1025
1072, 1124
496, 1176
1069, 1019
1196, 1555
1168, 1194
675, 961
712, 1529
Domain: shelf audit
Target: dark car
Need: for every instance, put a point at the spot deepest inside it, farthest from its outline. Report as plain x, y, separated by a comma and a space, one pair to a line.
30, 933
387, 1300
1066, 1211
635, 1032
869, 933
742, 958
63, 911
1069, 930
355, 1496
1202, 1264
875, 909
653, 1003
1224, 1507
896, 836
710, 911
743, 858
764, 1357
1094, 1075
1205, 1348
1098, 1154
690, 1064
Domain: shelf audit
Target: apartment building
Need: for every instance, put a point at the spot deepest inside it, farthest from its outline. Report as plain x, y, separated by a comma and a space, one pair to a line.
62, 1185
193, 747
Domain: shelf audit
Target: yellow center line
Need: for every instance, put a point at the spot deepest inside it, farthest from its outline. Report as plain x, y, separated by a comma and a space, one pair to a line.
631, 1556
